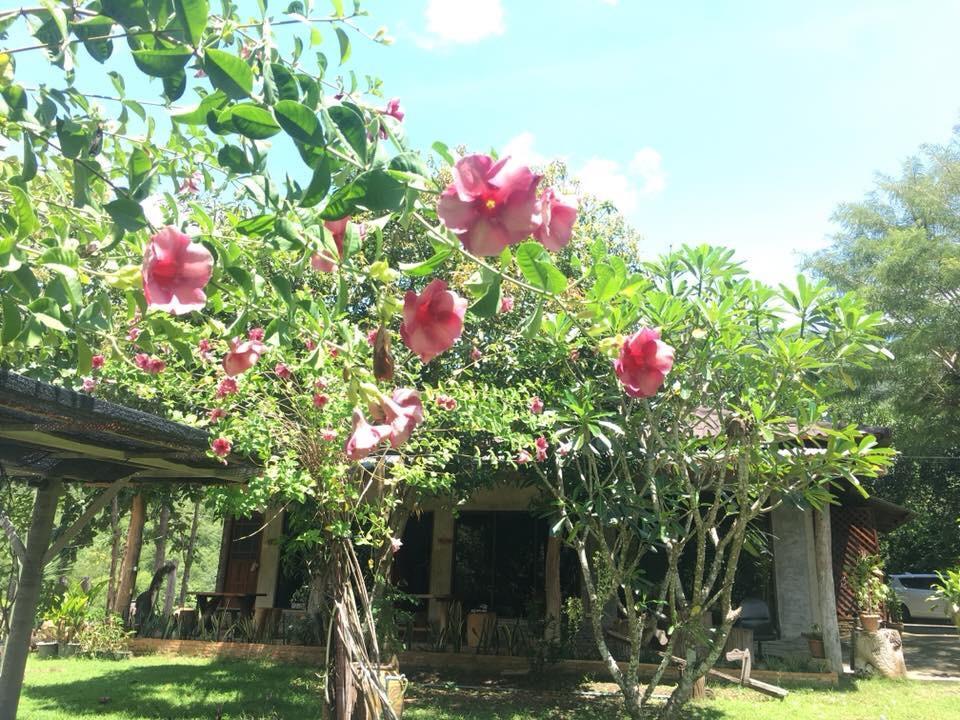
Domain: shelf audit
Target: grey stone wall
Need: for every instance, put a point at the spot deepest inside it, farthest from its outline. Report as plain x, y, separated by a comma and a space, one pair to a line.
795, 571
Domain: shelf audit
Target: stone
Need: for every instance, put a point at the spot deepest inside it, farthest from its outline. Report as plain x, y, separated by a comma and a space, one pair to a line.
880, 653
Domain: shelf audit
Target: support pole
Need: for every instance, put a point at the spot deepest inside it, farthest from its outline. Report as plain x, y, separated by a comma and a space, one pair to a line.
552, 589
131, 556
28, 595
823, 555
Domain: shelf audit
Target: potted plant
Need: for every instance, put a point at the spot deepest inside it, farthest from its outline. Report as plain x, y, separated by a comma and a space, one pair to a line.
865, 575
815, 641
948, 592
69, 616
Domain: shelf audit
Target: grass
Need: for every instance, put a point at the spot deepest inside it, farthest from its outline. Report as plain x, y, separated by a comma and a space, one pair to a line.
201, 689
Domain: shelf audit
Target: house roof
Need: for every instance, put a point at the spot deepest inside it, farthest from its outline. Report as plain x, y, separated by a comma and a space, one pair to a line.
50, 431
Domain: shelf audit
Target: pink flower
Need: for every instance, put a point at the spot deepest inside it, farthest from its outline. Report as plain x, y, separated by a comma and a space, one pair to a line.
558, 216
221, 446
256, 333
523, 457
322, 261
200, 73
542, 445
320, 383
133, 333
309, 343
446, 402
333, 350
97, 361
175, 271
563, 449
204, 346
227, 386
320, 399
283, 371
191, 183
403, 411
328, 434
242, 356
154, 366
372, 336
506, 304
490, 205
364, 437
536, 405
475, 354
643, 363
392, 110
395, 545
433, 320
88, 385
217, 414
574, 355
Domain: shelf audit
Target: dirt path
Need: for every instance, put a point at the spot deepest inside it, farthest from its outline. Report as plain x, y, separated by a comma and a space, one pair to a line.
932, 652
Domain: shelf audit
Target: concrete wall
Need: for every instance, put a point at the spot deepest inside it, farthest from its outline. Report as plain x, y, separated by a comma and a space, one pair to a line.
795, 571
269, 568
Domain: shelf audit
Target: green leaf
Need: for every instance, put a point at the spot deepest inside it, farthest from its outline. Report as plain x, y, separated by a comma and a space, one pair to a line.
537, 268
228, 73
337, 7
381, 191
344, 41
174, 85
319, 184
192, 15
127, 214
29, 170
350, 123
343, 202
140, 168
532, 325
233, 158
290, 232
243, 278
259, 225
50, 321
443, 151
72, 137
129, 13
252, 121
299, 122
409, 162
81, 185
198, 115
489, 303
282, 286
162, 63
285, 82
84, 356
430, 265
12, 323
23, 212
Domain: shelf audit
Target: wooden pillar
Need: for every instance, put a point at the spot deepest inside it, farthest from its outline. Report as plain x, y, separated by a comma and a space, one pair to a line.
829, 626
552, 589
188, 556
131, 556
28, 594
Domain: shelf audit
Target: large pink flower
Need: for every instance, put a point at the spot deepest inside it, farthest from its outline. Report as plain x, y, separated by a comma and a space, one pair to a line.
365, 437
242, 356
643, 363
175, 271
490, 205
322, 261
558, 216
433, 320
403, 411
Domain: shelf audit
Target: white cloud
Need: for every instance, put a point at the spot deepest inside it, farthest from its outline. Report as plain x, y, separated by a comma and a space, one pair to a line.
623, 187
520, 148
462, 21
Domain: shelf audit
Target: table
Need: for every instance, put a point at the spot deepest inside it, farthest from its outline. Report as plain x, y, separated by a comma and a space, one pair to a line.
210, 602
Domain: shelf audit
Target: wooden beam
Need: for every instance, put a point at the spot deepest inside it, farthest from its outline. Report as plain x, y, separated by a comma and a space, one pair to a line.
761, 687
95, 506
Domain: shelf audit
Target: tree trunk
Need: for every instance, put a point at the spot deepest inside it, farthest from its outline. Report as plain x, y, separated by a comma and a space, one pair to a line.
28, 594
131, 556
114, 554
188, 555
552, 589
829, 627
160, 542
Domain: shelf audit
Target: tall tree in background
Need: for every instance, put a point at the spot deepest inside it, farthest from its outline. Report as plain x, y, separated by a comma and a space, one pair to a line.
900, 249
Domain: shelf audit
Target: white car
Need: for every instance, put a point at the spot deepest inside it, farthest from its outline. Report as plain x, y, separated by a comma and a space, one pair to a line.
916, 595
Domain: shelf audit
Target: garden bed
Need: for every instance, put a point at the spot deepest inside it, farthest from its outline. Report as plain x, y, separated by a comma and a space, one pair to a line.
436, 661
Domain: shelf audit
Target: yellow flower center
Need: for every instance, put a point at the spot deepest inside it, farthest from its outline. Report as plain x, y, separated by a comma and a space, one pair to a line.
491, 204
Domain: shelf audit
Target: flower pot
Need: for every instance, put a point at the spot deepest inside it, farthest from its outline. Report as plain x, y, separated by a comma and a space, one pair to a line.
816, 647
47, 649
870, 622
68, 649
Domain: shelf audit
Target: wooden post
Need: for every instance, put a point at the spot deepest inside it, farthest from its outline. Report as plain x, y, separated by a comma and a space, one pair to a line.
114, 553
823, 555
188, 557
552, 589
131, 556
28, 594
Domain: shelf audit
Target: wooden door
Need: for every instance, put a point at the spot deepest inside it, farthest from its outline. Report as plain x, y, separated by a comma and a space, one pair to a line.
243, 554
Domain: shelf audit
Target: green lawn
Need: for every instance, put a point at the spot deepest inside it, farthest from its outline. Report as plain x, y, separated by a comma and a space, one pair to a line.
197, 689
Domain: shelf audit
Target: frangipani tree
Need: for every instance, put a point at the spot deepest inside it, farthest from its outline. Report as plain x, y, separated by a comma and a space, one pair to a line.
245, 262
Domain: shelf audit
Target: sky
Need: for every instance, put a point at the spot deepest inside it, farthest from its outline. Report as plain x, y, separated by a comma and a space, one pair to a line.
736, 123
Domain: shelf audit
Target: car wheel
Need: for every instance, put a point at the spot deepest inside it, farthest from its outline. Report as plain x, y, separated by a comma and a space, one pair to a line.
905, 612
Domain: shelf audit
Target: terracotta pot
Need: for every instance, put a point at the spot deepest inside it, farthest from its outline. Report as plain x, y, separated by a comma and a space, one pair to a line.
870, 622
816, 647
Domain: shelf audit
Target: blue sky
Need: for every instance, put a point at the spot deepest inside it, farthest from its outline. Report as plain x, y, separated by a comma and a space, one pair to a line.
737, 123
734, 123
